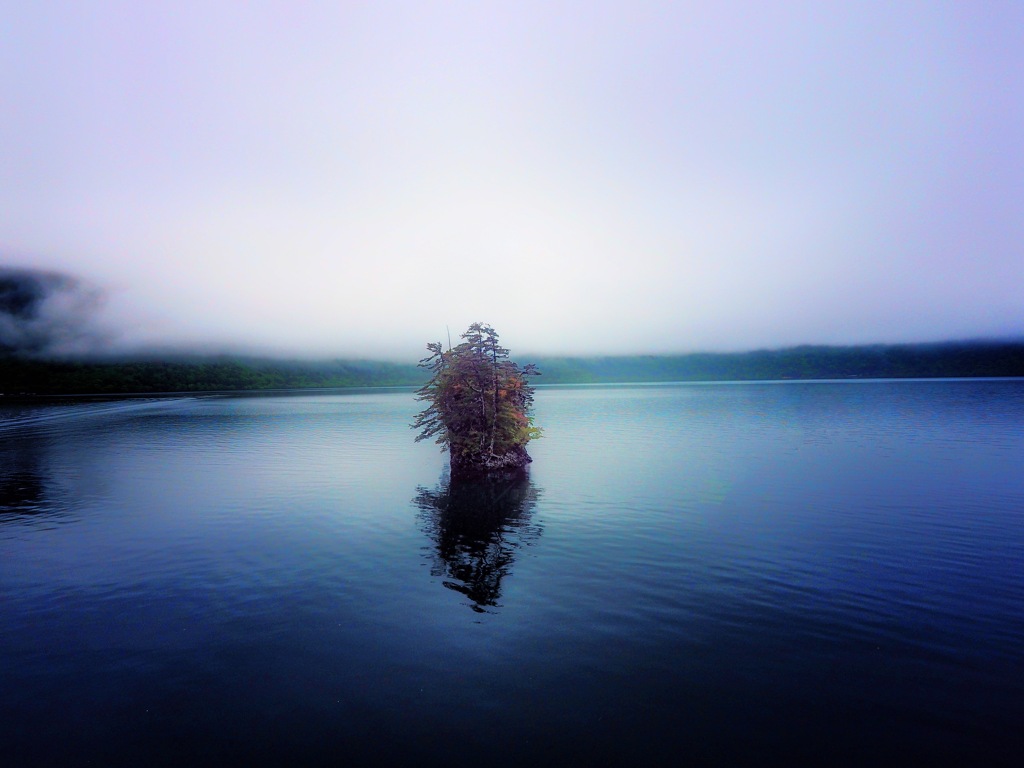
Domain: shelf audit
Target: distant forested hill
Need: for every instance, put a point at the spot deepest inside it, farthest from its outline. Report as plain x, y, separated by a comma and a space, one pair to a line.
29, 376
45, 377
940, 360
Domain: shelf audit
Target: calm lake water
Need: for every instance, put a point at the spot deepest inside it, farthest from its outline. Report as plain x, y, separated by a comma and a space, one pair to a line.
819, 573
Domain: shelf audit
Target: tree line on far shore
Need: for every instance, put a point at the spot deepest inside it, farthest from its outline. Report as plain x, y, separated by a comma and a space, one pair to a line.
27, 376
880, 361
35, 376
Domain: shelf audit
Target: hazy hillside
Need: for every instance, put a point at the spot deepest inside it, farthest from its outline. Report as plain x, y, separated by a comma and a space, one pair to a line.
42, 377
30, 376
952, 359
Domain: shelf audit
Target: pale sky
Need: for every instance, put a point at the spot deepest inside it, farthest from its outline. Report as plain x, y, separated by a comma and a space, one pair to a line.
348, 178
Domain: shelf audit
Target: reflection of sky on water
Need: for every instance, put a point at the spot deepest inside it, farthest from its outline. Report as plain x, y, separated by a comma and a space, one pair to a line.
476, 528
246, 579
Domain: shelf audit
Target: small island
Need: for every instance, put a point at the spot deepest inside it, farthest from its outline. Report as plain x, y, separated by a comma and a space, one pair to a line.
478, 404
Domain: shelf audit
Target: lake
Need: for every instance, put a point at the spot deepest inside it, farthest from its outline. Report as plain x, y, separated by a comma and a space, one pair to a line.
799, 572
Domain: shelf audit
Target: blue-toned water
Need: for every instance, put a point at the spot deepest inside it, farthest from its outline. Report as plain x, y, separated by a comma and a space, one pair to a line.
812, 573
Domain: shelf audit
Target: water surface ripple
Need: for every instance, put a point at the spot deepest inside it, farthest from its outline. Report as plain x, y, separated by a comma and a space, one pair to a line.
819, 572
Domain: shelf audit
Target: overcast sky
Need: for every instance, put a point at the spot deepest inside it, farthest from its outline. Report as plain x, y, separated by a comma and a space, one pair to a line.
348, 178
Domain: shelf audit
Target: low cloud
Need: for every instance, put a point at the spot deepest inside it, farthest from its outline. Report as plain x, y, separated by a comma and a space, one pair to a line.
49, 314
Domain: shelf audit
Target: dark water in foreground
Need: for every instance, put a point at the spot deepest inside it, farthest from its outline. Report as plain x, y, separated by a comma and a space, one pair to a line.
817, 573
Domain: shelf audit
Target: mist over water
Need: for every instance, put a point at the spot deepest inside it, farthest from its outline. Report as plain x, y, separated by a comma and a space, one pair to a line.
50, 315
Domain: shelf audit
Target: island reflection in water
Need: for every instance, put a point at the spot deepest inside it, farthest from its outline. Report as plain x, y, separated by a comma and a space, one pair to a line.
477, 526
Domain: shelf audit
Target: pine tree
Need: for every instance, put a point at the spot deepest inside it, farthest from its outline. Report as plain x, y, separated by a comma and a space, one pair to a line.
478, 403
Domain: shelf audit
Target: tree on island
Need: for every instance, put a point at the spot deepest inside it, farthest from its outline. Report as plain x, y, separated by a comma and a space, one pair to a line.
478, 404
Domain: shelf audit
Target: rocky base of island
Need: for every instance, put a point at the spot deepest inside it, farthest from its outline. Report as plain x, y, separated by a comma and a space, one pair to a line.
512, 462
